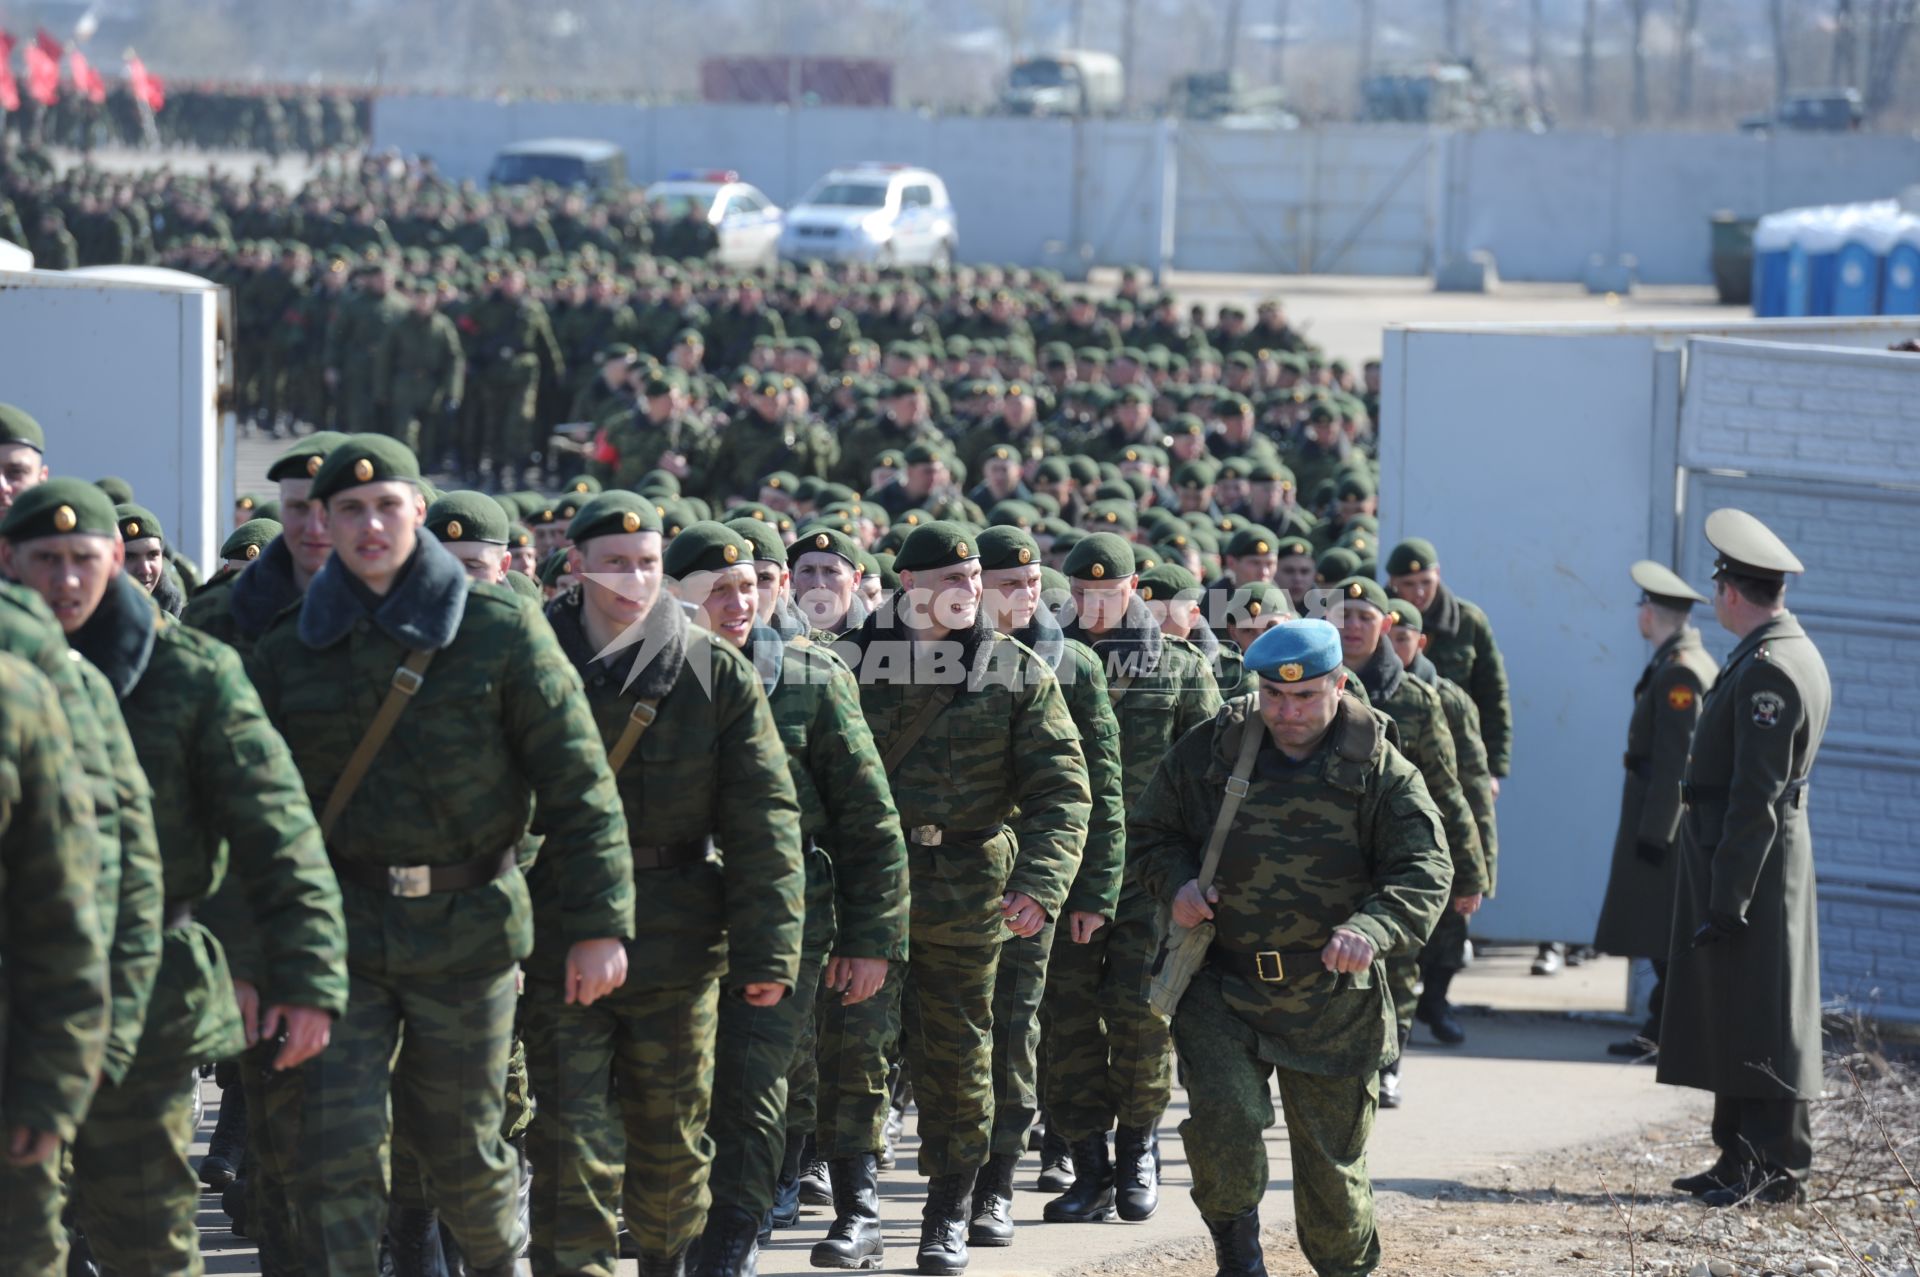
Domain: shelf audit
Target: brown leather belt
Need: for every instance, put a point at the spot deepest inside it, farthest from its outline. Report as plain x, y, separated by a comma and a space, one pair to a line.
411, 882
1270, 966
176, 914
672, 855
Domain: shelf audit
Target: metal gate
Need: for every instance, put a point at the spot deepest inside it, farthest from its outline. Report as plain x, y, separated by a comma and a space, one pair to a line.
1823, 445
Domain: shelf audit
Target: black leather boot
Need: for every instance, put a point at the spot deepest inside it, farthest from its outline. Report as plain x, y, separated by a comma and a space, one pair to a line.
854, 1239
786, 1190
1090, 1199
674, 1265
1056, 1164
1435, 1012
1724, 1173
1236, 1246
227, 1145
413, 1239
80, 1256
1136, 1173
943, 1225
816, 1188
992, 1221
730, 1246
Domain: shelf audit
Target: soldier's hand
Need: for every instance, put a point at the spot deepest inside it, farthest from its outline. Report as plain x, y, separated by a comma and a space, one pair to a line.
674, 464
1347, 952
1467, 906
331, 376
1023, 916
1190, 908
1081, 925
764, 993
28, 1147
856, 979
1493, 782
249, 999
1717, 928
308, 1031
595, 968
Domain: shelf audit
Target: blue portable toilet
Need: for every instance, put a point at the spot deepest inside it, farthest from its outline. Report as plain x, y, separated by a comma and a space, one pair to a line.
1822, 238
1856, 282
1772, 246
1900, 271
1795, 293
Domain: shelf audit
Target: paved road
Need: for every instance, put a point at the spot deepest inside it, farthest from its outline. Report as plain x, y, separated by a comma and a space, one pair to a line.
1527, 1083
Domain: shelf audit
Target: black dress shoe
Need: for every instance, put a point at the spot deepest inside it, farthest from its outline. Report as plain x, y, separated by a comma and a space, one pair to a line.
1722, 1174
1634, 1048
1439, 1019
1774, 1190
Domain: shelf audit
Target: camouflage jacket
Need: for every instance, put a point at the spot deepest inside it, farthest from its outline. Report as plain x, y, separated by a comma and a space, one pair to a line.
1347, 839
54, 998
1460, 645
1002, 756
1470, 752
225, 794
1103, 862
1427, 742
420, 365
846, 808
710, 767
498, 721
123, 813
238, 609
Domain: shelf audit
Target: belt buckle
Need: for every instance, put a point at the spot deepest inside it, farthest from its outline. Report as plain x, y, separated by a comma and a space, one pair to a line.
926, 835
1266, 965
409, 881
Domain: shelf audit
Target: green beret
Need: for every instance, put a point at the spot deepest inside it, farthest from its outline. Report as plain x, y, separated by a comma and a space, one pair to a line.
584, 485
920, 454
1290, 546
525, 586
939, 544
766, 542
467, 516
1251, 538
1167, 581
529, 504
1364, 589
249, 539
658, 483
1063, 542
302, 461
1336, 565
566, 505
1012, 513
1415, 554
1114, 514
780, 481
1362, 542
1006, 546
1102, 556
18, 426
1262, 598
269, 509
889, 459
674, 517
707, 546
246, 502
137, 523
364, 458
1198, 473
553, 568
1052, 470
1355, 485
1406, 616
118, 490
58, 507
613, 513
519, 535
822, 539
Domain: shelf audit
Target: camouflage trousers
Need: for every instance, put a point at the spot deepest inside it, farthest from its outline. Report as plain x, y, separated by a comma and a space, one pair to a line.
31, 1198
758, 1048
1105, 1057
273, 1103
135, 1194
500, 425
1017, 988
1445, 950
942, 1011
430, 1054
621, 1094
803, 1076
1230, 1107
409, 1180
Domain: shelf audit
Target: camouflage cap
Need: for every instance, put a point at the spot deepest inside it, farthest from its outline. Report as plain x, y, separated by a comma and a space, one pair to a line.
611, 514
1007, 546
302, 460
820, 539
472, 517
137, 523
1102, 556
18, 426
1415, 554
1295, 651
59, 507
249, 540
364, 458
707, 546
934, 545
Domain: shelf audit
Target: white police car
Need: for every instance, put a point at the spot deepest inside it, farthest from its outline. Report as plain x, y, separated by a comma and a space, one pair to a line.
746, 221
883, 214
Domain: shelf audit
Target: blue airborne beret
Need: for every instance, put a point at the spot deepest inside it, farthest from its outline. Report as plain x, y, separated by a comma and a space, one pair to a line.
1295, 650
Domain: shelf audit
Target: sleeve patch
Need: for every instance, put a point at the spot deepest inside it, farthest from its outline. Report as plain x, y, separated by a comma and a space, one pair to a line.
1767, 707
1680, 698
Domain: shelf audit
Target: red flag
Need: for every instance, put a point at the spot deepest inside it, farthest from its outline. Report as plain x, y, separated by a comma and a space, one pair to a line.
43, 69
9, 87
86, 80
144, 85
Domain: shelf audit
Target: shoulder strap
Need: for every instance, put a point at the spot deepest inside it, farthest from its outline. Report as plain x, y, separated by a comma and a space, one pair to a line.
1237, 789
406, 681
903, 744
645, 710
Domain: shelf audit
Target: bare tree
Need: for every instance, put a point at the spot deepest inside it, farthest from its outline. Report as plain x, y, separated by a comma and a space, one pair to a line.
1890, 24
1637, 15
1687, 20
1230, 37
1782, 64
1846, 46
1589, 32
